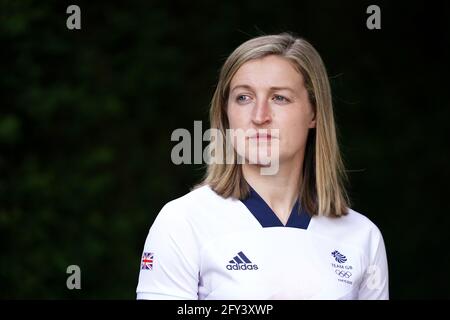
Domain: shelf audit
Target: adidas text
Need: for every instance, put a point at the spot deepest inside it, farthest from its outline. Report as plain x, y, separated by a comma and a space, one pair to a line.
242, 267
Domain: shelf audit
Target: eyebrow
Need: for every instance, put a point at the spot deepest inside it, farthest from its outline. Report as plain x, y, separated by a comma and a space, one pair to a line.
246, 86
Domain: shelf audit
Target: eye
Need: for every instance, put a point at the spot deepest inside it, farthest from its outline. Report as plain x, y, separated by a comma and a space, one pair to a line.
279, 98
242, 98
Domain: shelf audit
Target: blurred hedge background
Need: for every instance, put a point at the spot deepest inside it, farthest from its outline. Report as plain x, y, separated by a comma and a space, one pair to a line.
86, 118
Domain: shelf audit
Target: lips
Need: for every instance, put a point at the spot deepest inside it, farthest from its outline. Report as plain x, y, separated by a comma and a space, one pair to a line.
261, 136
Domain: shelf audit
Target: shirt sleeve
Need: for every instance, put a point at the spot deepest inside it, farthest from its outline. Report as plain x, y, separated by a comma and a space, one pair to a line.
375, 283
173, 272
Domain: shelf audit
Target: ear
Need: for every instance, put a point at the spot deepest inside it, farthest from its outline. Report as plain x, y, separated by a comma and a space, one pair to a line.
312, 123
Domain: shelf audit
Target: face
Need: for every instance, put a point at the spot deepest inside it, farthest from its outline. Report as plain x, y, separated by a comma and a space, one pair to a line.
266, 94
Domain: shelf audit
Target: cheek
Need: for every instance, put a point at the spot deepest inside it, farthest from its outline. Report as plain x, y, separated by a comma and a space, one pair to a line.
231, 120
294, 132
235, 118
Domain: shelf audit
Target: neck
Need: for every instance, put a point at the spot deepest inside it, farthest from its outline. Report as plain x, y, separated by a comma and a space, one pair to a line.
279, 191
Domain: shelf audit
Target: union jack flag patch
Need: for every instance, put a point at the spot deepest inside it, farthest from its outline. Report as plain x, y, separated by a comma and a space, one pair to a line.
147, 261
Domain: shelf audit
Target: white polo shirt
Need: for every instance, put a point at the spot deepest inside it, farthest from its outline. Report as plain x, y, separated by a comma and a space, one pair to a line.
203, 246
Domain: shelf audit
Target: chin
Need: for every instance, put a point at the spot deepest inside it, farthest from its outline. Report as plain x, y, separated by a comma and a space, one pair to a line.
261, 159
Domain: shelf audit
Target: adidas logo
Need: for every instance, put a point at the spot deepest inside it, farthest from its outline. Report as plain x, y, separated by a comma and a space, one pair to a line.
241, 262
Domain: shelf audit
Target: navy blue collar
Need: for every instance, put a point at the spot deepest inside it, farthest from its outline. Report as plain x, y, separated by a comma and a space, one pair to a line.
267, 218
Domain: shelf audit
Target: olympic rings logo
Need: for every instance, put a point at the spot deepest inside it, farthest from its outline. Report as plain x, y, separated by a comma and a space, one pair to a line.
343, 274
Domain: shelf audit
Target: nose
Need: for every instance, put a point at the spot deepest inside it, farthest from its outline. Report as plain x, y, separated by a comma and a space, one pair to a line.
261, 112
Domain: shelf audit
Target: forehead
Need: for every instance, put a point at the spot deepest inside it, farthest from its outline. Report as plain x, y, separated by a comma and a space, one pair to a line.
268, 71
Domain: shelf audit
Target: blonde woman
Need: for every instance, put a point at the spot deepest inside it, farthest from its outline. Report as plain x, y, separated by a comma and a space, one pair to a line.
286, 234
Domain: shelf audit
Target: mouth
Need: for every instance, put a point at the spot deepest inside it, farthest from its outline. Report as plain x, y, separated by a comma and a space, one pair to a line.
261, 136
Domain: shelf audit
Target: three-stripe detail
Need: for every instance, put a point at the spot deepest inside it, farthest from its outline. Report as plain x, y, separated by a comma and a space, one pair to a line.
240, 258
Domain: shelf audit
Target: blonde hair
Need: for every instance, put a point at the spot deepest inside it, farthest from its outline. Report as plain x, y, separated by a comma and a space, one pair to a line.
322, 191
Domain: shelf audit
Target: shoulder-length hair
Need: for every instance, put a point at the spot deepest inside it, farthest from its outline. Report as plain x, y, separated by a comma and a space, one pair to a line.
322, 191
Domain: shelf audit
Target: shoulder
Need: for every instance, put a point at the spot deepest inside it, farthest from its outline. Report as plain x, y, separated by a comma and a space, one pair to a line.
188, 200
199, 216
353, 221
201, 195
194, 205
354, 227
358, 221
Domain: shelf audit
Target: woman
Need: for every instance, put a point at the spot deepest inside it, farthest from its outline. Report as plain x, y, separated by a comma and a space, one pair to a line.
289, 234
